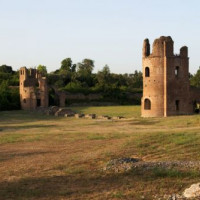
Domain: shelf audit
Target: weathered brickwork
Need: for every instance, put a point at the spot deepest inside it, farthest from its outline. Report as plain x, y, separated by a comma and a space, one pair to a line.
33, 89
166, 87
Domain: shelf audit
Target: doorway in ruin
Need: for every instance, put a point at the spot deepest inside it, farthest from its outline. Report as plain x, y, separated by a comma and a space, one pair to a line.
38, 102
53, 98
177, 104
147, 104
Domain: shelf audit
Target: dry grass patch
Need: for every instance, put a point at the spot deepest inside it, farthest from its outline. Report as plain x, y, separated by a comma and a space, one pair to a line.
44, 157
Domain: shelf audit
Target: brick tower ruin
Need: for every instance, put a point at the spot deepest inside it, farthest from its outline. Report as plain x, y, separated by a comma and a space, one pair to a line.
33, 89
166, 86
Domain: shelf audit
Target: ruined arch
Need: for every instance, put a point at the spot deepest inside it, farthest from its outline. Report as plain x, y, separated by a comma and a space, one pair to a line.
53, 97
177, 104
147, 72
147, 104
177, 71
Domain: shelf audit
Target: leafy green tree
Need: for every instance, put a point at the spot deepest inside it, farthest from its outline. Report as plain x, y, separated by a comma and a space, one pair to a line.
86, 67
59, 83
84, 72
4, 77
73, 69
195, 79
104, 76
6, 73
6, 69
66, 64
9, 97
4, 95
136, 80
106, 70
14, 81
74, 87
42, 69
67, 71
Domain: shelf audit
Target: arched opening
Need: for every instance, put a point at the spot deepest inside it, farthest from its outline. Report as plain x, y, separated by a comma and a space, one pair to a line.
177, 105
53, 98
177, 71
147, 72
24, 100
38, 102
147, 104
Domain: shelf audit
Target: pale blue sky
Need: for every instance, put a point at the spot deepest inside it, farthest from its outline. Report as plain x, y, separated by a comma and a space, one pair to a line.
34, 32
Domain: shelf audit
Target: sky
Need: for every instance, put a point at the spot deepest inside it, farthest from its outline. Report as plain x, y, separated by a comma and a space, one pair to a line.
111, 32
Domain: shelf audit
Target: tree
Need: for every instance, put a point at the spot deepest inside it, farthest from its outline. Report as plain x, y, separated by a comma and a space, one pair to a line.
88, 64
73, 69
104, 76
86, 67
134, 80
84, 72
66, 64
106, 70
7, 74
42, 69
4, 95
9, 97
195, 79
137, 79
6, 69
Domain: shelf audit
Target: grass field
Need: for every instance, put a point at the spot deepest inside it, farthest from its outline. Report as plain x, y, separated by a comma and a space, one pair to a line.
46, 157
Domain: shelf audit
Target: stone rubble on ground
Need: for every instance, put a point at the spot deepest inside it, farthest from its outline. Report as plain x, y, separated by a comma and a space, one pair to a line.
176, 197
66, 112
104, 117
170, 197
121, 164
125, 164
90, 116
193, 191
69, 115
79, 115
118, 117
52, 110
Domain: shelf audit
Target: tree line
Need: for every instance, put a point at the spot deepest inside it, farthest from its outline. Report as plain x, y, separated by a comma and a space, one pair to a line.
9, 92
79, 78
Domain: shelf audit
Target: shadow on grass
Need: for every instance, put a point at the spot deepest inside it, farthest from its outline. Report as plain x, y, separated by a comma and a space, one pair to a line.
15, 117
144, 122
16, 128
5, 156
86, 184
60, 186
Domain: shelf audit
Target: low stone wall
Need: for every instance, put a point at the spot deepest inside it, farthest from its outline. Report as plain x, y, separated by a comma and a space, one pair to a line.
80, 99
80, 96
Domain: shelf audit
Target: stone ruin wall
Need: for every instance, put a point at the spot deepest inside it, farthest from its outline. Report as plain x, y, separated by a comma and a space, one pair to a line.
166, 87
33, 89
